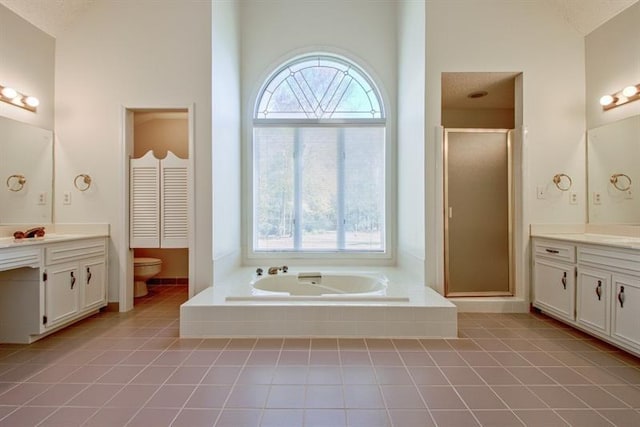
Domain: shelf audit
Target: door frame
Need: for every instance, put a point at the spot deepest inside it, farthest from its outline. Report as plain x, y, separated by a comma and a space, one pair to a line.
125, 294
511, 207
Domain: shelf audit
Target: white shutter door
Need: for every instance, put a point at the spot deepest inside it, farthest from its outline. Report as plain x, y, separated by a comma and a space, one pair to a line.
144, 217
174, 211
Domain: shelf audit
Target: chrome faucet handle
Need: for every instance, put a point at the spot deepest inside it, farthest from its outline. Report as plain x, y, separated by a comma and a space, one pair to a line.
259, 271
285, 268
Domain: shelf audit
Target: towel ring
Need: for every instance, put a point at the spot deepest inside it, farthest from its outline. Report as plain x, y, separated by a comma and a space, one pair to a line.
557, 180
82, 182
614, 181
16, 182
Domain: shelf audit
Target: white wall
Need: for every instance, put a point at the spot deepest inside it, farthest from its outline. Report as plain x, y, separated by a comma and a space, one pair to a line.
143, 53
510, 36
226, 137
276, 31
612, 63
411, 135
27, 60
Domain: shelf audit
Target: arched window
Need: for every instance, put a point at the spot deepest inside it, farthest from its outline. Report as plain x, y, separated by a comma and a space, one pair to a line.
319, 168
319, 87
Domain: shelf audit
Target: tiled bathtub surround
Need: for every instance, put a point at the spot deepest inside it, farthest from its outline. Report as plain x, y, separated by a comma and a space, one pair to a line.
426, 314
131, 369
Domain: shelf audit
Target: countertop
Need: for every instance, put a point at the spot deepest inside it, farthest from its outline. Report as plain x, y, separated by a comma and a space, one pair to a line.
10, 242
626, 242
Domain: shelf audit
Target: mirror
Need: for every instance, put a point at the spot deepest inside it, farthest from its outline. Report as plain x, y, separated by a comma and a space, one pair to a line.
613, 172
26, 173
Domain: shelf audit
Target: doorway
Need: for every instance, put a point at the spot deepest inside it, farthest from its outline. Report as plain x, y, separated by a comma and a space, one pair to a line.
478, 118
155, 129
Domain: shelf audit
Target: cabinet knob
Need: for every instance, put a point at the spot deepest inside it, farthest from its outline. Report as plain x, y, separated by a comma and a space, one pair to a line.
599, 290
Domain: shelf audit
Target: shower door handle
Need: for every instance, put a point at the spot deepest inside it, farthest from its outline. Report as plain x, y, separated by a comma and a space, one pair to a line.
450, 212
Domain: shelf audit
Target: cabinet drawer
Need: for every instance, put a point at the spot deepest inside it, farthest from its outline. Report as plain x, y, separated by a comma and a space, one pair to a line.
71, 251
17, 258
558, 251
619, 260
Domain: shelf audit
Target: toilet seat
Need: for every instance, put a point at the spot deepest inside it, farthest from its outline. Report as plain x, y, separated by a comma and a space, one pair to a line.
143, 262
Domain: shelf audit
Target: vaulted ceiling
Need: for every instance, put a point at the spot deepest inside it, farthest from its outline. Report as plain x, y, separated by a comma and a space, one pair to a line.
53, 16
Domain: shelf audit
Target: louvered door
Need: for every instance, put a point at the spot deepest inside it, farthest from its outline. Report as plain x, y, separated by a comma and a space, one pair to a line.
173, 213
144, 192
159, 202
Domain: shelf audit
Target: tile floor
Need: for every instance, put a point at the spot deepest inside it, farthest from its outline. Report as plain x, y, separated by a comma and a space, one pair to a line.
132, 370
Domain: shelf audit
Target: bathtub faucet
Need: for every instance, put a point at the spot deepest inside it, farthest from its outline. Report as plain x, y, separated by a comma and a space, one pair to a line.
274, 270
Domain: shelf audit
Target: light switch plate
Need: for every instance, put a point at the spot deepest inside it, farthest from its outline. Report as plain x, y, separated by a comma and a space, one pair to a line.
540, 191
66, 198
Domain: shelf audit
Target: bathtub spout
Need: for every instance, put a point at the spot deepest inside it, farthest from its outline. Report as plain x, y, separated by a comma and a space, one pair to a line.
274, 270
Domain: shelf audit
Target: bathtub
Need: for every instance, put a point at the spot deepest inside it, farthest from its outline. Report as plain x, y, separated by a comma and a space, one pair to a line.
319, 286
346, 302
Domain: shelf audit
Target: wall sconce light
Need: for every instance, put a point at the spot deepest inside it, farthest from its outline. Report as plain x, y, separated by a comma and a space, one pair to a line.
82, 182
13, 97
628, 94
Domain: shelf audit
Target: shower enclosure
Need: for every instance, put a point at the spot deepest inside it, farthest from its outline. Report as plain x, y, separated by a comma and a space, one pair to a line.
478, 212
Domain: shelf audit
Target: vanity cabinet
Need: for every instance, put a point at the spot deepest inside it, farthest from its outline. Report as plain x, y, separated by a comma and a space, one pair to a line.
555, 278
626, 313
46, 286
62, 300
74, 279
604, 298
593, 299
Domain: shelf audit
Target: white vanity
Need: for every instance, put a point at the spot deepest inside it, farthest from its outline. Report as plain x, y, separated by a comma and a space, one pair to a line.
590, 281
46, 284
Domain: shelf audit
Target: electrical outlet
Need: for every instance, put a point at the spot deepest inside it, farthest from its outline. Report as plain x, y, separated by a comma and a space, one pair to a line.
66, 198
573, 198
42, 198
540, 191
597, 199
628, 194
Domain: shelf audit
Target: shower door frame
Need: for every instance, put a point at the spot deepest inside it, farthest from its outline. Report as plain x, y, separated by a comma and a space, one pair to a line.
510, 216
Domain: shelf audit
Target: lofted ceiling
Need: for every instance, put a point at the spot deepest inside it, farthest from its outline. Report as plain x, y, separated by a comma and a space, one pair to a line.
53, 16
587, 15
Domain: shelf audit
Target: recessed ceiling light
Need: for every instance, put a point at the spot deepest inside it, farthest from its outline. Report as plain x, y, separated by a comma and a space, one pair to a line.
478, 94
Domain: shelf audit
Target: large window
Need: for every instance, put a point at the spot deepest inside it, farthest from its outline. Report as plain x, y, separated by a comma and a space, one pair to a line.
319, 159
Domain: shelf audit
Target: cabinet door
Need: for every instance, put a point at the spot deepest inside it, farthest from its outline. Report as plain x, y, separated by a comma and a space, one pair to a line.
626, 303
593, 301
93, 283
554, 288
61, 293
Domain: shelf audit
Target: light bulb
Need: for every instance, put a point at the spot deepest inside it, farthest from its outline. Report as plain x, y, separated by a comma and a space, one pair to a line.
32, 101
9, 92
629, 91
606, 100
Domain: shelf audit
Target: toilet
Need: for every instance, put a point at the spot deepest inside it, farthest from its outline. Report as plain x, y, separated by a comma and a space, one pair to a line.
143, 270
